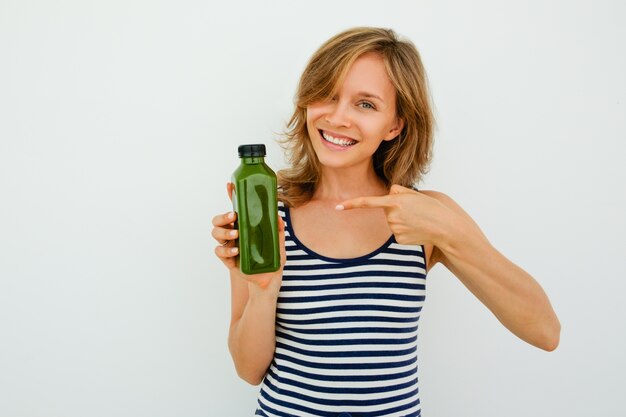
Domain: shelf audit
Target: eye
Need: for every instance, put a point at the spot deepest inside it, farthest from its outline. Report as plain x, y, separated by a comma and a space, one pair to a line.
367, 105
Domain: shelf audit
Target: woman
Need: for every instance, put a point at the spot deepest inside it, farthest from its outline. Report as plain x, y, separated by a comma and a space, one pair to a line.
333, 332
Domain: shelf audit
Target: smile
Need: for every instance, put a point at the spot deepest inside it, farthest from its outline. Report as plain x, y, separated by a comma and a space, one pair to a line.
345, 142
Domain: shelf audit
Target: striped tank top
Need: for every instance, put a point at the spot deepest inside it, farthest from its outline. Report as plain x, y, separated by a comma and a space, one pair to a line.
346, 333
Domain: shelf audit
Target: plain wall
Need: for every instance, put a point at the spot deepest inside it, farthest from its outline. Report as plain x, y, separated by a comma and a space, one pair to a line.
119, 124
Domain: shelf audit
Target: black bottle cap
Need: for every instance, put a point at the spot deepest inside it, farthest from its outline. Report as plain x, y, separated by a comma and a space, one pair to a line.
251, 150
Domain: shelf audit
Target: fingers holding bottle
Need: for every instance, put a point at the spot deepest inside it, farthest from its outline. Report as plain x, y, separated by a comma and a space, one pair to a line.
225, 234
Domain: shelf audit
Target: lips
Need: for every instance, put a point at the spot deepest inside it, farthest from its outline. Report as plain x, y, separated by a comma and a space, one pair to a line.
337, 140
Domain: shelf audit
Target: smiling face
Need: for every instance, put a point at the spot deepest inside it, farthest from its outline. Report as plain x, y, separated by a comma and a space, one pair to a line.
347, 129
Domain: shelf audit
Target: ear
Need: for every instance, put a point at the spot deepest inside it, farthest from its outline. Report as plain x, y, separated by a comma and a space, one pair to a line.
395, 129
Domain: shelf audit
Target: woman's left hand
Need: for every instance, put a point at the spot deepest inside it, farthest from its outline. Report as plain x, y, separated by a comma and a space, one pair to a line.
414, 217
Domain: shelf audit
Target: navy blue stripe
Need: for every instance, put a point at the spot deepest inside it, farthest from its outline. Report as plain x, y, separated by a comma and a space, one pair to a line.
390, 411
392, 251
260, 412
347, 342
352, 330
345, 378
335, 414
361, 296
372, 365
291, 406
401, 251
392, 284
343, 402
315, 310
299, 257
370, 262
343, 390
360, 274
348, 354
350, 319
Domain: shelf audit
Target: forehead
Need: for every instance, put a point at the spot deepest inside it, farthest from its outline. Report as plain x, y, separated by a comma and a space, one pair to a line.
369, 74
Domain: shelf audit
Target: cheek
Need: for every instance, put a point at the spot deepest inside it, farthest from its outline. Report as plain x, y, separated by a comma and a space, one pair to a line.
373, 128
313, 113
382, 126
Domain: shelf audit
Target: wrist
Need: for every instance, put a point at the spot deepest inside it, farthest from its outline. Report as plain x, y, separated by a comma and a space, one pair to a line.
262, 290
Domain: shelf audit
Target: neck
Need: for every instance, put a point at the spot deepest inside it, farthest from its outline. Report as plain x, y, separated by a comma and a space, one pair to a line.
337, 185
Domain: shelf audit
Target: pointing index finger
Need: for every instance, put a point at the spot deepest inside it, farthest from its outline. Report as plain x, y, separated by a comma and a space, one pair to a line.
365, 202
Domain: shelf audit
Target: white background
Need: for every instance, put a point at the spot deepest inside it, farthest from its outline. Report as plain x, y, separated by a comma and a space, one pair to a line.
119, 125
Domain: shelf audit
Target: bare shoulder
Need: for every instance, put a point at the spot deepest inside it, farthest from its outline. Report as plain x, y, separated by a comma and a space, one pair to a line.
447, 201
436, 255
442, 197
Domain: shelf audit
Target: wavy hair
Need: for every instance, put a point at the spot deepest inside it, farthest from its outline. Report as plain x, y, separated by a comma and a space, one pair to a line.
403, 160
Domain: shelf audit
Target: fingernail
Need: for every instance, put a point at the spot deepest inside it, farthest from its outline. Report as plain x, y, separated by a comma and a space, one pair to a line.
234, 250
232, 233
339, 207
231, 216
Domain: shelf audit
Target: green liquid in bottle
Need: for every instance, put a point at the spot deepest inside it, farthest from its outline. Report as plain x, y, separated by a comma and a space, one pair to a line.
256, 203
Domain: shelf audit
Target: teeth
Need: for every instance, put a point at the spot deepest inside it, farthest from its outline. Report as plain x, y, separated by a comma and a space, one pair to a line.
337, 141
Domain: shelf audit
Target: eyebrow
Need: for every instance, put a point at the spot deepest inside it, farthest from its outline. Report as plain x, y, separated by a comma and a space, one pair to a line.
370, 95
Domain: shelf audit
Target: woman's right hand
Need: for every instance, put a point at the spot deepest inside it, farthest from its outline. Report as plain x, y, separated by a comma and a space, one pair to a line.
225, 234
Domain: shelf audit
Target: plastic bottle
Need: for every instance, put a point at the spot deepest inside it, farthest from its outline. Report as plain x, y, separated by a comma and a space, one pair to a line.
256, 203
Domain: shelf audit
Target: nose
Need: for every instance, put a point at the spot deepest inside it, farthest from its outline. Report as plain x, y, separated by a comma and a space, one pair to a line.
337, 115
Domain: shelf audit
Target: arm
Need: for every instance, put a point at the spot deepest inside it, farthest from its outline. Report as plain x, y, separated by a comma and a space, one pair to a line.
429, 217
512, 295
251, 336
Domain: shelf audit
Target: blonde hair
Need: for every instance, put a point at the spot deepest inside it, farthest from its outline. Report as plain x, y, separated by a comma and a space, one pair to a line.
403, 160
